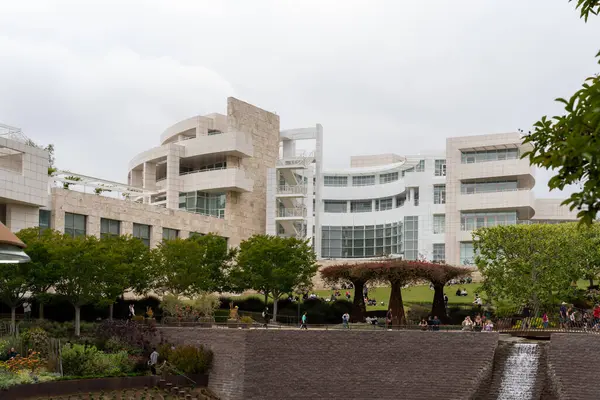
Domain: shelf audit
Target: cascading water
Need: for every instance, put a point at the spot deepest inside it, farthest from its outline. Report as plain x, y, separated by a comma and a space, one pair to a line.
520, 371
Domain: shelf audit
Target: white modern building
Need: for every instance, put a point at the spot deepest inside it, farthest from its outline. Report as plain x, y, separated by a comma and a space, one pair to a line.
426, 206
238, 174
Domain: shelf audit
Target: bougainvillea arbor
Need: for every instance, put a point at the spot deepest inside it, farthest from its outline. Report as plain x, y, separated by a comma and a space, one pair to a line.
397, 273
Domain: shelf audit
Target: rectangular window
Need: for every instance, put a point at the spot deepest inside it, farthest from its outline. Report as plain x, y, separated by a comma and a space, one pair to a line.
142, 232
411, 237
333, 180
420, 167
359, 206
440, 167
44, 220
363, 180
361, 241
439, 252
470, 157
389, 177
109, 227
191, 165
467, 255
170, 234
400, 200
384, 204
333, 206
211, 204
471, 187
75, 224
439, 194
472, 221
439, 223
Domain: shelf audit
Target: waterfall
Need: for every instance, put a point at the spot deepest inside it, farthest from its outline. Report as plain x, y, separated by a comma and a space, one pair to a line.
520, 372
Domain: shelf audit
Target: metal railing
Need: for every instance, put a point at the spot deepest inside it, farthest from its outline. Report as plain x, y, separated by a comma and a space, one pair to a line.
475, 191
291, 212
204, 170
291, 189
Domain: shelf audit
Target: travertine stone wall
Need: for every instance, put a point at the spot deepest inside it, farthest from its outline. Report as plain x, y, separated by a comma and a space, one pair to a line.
246, 211
351, 365
128, 212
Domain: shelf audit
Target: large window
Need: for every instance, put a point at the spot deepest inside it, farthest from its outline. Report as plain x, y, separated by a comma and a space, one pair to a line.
190, 166
472, 221
170, 234
142, 232
400, 200
467, 254
333, 206
109, 227
470, 157
439, 252
335, 180
439, 194
440, 167
75, 224
439, 223
389, 177
420, 167
384, 204
44, 220
360, 206
471, 187
211, 204
361, 241
411, 237
363, 180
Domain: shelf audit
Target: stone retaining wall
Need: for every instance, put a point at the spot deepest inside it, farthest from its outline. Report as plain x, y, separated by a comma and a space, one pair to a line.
316, 364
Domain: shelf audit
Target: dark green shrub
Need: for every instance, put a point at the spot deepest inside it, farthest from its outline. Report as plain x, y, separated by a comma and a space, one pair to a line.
191, 359
38, 340
79, 360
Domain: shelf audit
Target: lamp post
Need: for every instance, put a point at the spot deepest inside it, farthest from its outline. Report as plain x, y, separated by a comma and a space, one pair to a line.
11, 248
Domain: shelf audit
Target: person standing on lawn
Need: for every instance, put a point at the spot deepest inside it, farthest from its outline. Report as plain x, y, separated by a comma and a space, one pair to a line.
153, 361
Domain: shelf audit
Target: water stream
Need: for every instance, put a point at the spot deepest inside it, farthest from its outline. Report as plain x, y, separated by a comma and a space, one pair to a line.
520, 372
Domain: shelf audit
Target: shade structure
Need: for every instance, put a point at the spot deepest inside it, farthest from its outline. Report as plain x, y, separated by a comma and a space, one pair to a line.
11, 247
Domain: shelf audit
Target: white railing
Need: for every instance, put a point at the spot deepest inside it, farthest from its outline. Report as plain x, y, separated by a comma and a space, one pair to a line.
291, 189
203, 170
475, 191
295, 162
292, 212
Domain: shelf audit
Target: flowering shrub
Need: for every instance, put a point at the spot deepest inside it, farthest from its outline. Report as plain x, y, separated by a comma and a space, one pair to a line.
37, 339
31, 362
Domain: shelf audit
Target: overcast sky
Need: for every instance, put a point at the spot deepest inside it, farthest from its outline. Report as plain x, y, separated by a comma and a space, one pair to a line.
102, 79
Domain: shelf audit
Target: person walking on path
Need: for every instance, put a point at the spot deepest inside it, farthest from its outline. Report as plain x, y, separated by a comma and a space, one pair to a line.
265, 315
27, 310
388, 319
153, 361
303, 326
131, 311
345, 319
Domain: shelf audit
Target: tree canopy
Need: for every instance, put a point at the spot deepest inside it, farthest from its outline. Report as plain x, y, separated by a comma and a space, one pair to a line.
531, 264
274, 266
568, 143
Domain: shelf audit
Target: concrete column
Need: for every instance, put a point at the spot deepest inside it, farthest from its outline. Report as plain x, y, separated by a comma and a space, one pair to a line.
289, 148
149, 176
174, 182
93, 226
137, 177
126, 228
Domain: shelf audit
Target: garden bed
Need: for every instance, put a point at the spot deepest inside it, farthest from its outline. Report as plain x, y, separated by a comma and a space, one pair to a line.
66, 387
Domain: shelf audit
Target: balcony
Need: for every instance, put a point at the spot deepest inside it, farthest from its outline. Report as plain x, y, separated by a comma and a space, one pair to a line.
521, 199
217, 180
493, 169
291, 213
236, 144
295, 162
291, 190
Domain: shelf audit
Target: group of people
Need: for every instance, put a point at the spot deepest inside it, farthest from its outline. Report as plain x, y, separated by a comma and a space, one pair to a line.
430, 324
478, 324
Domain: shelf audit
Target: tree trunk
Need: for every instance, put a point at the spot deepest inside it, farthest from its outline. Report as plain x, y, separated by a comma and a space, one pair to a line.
275, 299
110, 312
591, 283
13, 320
439, 305
359, 310
396, 304
41, 316
266, 299
77, 320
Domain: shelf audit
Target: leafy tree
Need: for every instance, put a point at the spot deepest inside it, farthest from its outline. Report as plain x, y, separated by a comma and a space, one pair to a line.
526, 264
83, 272
44, 273
569, 143
439, 275
15, 281
274, 266
585, 249
125, 263
185, 267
